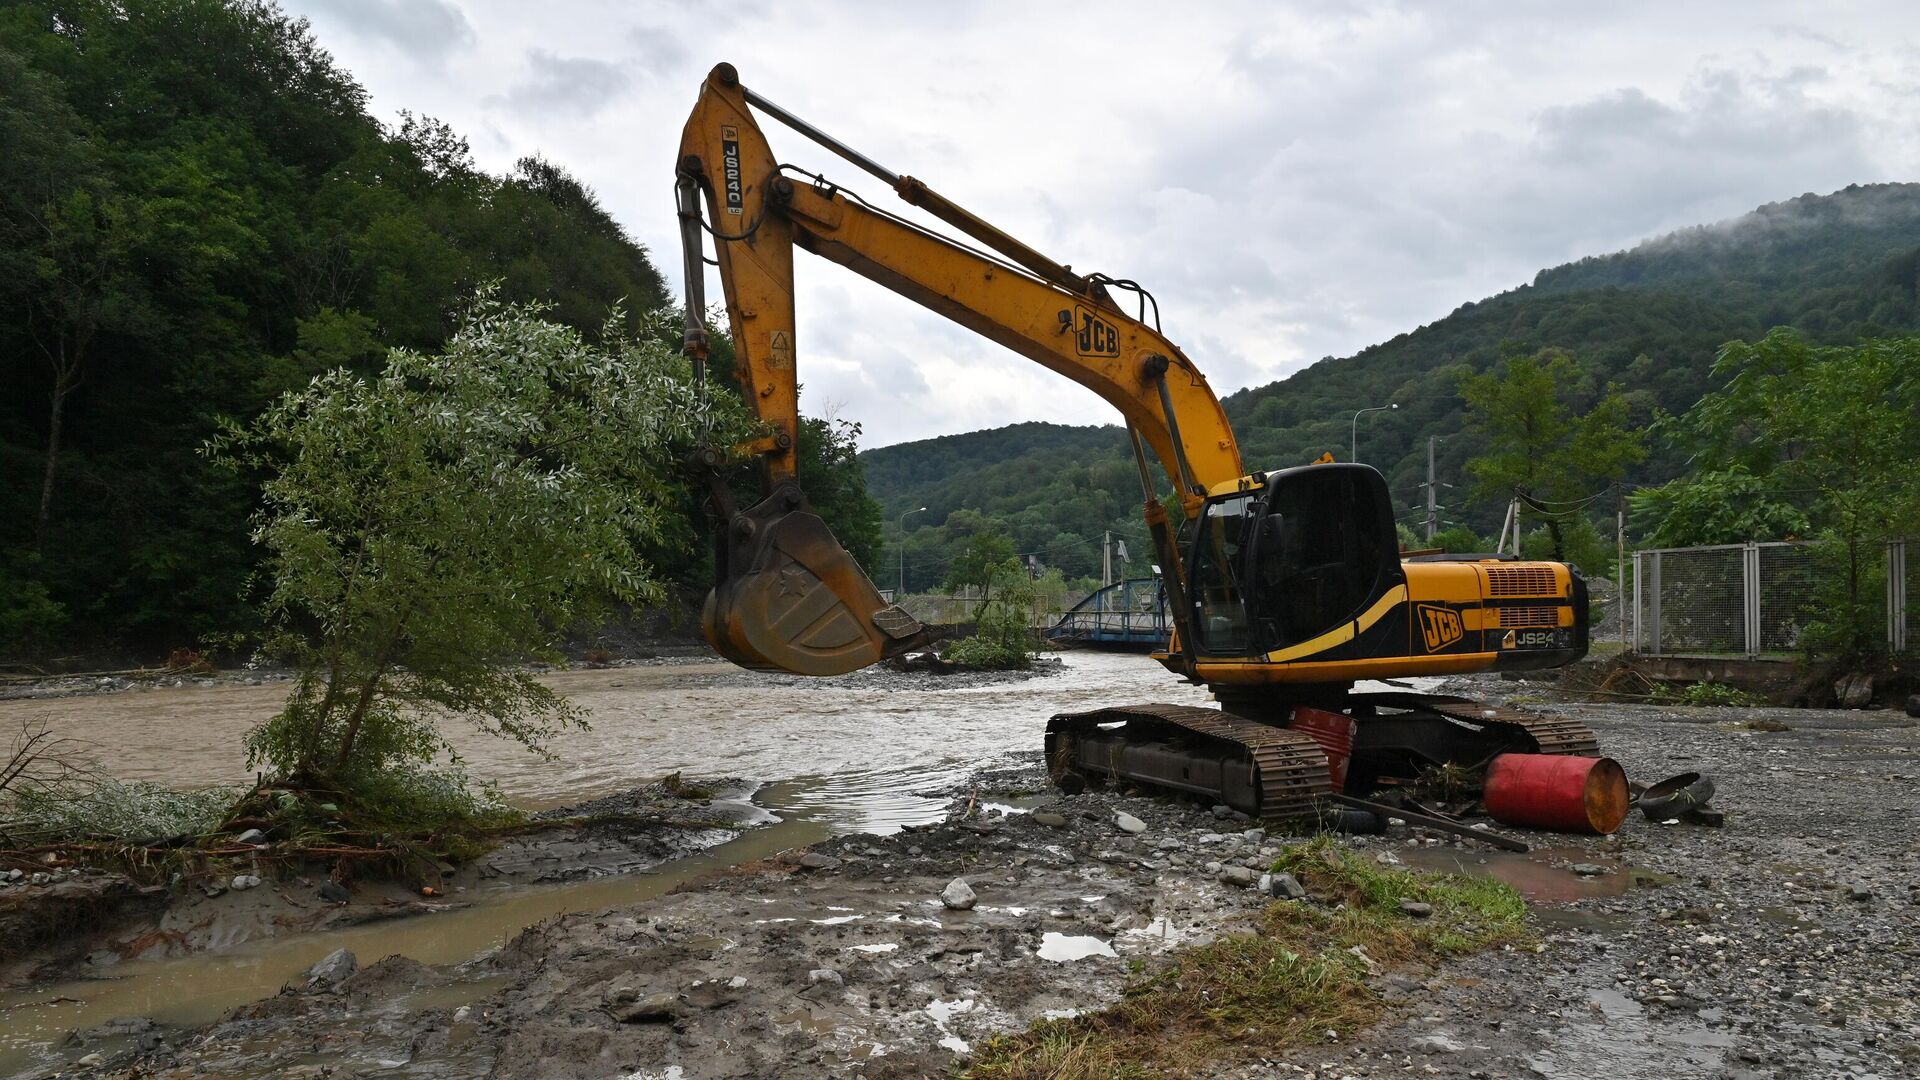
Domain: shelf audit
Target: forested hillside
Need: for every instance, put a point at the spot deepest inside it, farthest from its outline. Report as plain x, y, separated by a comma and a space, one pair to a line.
1837, 267
1053, 489
197, 212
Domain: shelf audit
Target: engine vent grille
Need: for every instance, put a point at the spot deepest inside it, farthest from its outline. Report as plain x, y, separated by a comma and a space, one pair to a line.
1527, 616
1520, 581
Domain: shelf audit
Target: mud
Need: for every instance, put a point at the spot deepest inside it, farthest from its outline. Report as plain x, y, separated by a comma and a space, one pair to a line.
1783, 945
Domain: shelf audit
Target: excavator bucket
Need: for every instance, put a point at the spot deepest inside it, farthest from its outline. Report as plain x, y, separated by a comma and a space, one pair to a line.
790, 598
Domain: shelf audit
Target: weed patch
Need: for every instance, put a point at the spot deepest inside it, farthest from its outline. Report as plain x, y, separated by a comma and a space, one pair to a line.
1296, 977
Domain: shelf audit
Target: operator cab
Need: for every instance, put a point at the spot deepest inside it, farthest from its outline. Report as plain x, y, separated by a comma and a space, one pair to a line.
1285, 562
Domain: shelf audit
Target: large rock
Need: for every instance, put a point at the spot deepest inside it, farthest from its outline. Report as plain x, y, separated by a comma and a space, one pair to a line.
1913, 705
1129, 823
1854, 691
813, 860
958, 895
1286, 887
1238, 875
333, 969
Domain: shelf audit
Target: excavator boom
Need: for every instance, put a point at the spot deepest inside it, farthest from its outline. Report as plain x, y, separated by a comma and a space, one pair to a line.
1285, 587
788, 596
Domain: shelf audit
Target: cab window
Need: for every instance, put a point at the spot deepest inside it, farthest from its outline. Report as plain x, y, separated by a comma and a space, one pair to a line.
1322, 549
1220, 544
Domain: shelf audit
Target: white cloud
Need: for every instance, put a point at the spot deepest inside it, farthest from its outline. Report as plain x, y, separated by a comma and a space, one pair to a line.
1292, 181
424, 29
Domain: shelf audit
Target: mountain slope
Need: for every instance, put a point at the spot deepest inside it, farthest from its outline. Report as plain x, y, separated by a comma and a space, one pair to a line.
1837, 267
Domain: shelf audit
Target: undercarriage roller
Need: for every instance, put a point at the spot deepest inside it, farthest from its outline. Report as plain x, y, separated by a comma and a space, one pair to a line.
1260, 770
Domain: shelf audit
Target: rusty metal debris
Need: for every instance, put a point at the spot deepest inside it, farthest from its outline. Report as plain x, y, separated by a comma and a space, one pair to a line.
1681, 798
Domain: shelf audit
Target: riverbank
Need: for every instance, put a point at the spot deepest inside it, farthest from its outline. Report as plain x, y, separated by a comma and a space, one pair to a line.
1782, 945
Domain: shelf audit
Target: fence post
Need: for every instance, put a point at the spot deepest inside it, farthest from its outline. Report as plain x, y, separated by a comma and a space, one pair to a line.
1650, 640
1897, 596
1750, 598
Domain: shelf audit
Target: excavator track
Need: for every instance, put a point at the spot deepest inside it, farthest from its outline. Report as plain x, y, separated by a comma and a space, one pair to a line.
1259, 769
1548, 734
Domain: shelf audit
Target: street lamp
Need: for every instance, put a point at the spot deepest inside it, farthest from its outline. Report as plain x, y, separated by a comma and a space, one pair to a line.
1353, 430
901, 592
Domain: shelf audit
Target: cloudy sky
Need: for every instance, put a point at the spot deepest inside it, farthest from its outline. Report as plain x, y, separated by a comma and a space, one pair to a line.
1292, 180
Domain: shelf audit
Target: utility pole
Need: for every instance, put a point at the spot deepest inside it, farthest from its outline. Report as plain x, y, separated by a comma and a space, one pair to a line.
1433, 493
1106, 559
1620, 562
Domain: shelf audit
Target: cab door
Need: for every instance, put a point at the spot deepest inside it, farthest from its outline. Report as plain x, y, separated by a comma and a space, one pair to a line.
1323, 550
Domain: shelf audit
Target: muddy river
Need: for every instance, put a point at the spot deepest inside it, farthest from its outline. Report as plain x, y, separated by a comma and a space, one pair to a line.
875, 737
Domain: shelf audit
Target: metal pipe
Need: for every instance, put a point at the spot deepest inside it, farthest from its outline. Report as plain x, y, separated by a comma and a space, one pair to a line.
924, 197
821, 137
1187, 482
694, 269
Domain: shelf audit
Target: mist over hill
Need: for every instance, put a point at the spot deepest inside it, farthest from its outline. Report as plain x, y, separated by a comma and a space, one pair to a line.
1837, 267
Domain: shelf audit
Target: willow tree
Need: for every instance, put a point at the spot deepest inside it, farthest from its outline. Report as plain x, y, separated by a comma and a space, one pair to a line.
427, 527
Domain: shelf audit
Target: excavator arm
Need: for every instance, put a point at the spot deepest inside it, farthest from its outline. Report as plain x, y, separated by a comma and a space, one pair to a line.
788, 596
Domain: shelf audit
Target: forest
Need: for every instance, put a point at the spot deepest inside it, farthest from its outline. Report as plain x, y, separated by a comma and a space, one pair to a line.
1837, 268
198, 214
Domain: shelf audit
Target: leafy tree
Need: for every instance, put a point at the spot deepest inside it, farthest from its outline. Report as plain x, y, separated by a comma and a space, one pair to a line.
1829, 432
1460, 539
1003, 637
1536, 449
987, 560
1730, 505
453, 512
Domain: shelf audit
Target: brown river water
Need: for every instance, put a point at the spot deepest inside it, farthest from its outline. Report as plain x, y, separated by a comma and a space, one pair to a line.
877, 735
859, 752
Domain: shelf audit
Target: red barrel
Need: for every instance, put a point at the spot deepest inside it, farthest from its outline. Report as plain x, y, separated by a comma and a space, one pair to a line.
1564, 794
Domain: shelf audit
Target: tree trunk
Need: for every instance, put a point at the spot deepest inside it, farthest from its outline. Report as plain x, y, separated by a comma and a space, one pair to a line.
62, 386
1559, 541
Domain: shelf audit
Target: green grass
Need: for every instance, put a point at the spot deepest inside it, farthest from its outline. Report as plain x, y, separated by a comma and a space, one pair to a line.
1291, 980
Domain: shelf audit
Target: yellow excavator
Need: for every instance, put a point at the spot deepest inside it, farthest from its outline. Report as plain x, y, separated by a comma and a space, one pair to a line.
1285, 587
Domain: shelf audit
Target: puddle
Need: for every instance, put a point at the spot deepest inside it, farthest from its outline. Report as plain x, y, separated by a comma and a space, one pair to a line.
944, 1011
1062, 948
884, 946
1160, 932
1621, 1044
1533, 874
806, 1021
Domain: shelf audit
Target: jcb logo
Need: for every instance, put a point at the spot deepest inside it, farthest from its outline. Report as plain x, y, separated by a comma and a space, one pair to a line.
1097, 335
1440, 626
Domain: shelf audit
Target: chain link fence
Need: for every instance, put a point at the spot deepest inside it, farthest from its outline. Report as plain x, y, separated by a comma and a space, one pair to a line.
1758, 600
